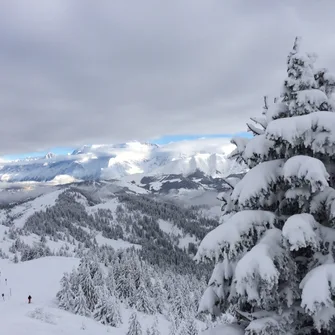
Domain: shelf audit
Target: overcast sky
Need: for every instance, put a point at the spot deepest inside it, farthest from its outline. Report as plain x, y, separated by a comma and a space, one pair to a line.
77, 72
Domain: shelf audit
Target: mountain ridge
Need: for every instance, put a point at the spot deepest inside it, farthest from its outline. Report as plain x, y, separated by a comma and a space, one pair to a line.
116, 161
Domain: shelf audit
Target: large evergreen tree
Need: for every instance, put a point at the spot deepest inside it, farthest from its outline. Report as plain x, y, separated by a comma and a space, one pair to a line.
274, 252
65, 296
143, 302
107, 310
80, 306
134, 325
87, 284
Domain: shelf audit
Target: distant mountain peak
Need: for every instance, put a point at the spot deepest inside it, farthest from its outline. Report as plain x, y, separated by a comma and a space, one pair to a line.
116, 161
49, 155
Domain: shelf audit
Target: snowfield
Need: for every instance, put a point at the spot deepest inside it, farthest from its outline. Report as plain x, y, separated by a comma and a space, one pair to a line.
40, 278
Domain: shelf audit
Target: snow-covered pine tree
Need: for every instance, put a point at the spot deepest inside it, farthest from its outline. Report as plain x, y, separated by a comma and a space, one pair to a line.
110, 281
87, 286
143, 302
74, 281
274, 252
107, 310
80, 306
154, 327
173, 325
16, 258
134, 325
188, 326
178, 310
158, 296
65, 296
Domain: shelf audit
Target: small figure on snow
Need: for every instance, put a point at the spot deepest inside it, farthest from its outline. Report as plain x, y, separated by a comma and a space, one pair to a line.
29, 299
3, 296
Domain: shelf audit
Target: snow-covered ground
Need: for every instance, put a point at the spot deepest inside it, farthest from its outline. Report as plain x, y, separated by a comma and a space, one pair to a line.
40, 278
115, 244
22, 212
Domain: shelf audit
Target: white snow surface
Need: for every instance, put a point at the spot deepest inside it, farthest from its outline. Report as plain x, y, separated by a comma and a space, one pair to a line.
224, 330
41, 279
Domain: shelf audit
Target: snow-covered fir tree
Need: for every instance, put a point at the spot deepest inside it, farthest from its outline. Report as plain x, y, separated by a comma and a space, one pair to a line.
80, 306
110, 282
154, 327
87, 284
178, 311
188, 326
134, 325
65, 296
274, 252
158, 297
142, 300
107, 310
153, 330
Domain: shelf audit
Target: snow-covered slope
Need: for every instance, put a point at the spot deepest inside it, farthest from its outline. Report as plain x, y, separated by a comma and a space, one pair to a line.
117, 161
41, 281
40, 277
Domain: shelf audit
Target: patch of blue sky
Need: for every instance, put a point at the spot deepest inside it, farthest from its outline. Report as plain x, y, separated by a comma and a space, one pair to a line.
161, 140
177, 138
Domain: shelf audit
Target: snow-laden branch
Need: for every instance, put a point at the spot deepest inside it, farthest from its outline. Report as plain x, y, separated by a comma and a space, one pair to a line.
318, 294
258, 185
235, 236
314, 131
301, 170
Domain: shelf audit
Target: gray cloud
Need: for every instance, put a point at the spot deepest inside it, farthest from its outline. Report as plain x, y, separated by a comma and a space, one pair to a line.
76, 72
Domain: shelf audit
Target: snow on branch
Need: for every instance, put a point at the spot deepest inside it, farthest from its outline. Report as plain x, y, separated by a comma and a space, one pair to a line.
310, 100
237, 153
222, 271
236, 235
257, 150
208, 301
255, 130
258, 272
301, 194
315, 131
302, 170
266, 326
258, 185
318, 294
323, 204
276, 111
261, 120
232, 181
301, 231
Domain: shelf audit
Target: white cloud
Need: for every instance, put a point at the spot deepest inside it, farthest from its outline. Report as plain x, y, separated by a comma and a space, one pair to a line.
75, 72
